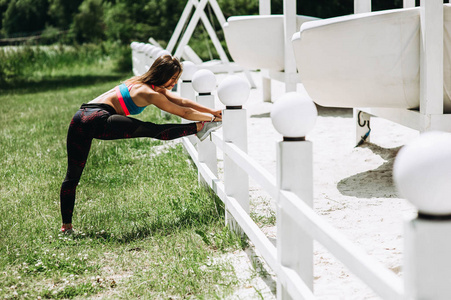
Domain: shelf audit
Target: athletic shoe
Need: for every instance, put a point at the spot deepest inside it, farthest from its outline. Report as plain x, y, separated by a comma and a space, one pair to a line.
67, 230
208, 127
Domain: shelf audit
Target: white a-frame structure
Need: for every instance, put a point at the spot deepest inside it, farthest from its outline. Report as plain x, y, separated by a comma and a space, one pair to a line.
182, 36
199, 14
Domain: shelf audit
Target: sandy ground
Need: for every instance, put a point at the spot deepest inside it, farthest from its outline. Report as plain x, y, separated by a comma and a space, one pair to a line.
353, 190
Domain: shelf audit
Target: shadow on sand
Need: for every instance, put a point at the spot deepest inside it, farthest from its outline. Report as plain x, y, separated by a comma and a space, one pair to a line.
377, 183
258, 265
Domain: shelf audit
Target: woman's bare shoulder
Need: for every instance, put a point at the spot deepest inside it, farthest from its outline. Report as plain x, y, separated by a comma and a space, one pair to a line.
143, 94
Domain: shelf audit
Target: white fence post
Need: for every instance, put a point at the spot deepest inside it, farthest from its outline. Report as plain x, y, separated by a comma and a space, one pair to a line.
294, 115
264, 7
186, 87
204, 82
362, 6
289, 22
233, 92
431, 59
422, 173
408, 3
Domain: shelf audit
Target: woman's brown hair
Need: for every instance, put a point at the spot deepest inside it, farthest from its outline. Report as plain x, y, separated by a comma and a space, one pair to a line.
161, 71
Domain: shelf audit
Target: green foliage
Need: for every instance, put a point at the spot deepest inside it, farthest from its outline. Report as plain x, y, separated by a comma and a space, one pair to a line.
50, 35
117, 21
30, 64
23, 16
88, 25
239, 7
382, 5
62, 12
128, 20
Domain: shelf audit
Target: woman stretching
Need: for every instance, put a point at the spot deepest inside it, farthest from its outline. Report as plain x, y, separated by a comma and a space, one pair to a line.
106, 118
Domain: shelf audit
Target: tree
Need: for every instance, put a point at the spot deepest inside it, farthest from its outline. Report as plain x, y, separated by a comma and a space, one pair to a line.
128, 20
62, 12
24, 16
88, 25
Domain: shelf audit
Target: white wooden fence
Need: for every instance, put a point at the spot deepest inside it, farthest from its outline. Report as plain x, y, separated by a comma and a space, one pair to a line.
428, 236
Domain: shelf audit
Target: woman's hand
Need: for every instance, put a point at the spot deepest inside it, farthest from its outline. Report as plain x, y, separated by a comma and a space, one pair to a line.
217, 113
217, 116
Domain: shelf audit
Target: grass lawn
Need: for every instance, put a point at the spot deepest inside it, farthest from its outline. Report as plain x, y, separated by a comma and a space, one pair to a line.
145, 228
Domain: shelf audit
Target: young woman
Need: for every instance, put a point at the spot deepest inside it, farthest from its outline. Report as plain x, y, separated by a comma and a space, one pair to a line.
106, 118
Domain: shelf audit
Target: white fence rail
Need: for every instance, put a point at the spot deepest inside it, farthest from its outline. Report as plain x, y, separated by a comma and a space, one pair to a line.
297, 223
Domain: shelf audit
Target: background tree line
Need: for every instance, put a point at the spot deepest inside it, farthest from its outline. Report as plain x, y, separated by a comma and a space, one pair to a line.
91, 21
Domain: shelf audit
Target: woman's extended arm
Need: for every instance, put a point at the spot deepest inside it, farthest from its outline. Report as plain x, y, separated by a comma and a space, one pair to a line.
174, 98
186, 112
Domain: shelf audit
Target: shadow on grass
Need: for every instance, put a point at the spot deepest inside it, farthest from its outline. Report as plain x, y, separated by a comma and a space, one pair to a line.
30, 85
161, 225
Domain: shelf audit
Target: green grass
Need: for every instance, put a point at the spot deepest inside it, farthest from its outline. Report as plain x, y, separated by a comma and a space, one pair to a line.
145, 227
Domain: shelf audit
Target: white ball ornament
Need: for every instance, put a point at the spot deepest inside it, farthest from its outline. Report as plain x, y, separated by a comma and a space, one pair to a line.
149, 49
163, 52
189, 68
294, 115
422, 173
233, 91
204, 81
155, 51
140, 47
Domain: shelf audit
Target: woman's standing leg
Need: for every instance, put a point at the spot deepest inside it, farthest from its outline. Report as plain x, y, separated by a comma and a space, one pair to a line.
78, 146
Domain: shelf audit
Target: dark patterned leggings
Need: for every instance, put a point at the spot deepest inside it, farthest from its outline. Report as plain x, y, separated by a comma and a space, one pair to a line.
100, 121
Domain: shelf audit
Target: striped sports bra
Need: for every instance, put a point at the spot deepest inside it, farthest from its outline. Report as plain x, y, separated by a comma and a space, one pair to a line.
128, 106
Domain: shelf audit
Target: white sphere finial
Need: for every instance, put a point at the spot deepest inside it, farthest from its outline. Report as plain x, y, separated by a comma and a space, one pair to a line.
189, 68
422, 173
155, 51
140, 47
163, 52
233, 91
204, 81
294, 115
148, 49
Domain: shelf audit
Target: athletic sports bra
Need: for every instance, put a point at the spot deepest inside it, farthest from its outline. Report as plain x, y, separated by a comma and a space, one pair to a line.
128, 106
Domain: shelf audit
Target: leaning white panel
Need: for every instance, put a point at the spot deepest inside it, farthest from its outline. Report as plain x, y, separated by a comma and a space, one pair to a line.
257, 42
364, 60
